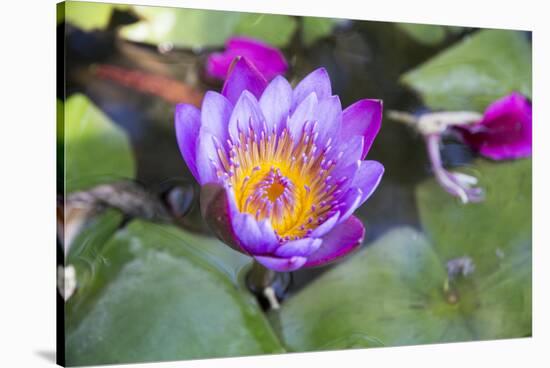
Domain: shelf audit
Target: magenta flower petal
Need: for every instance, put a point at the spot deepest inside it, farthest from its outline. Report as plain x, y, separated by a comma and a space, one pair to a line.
282, 264
275, 103
343, 239
243, 77
363, 118
188, 122
278, 183
318, 82
267, 59
505, 131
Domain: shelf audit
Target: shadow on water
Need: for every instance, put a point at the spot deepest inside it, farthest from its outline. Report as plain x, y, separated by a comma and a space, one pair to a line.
364, 60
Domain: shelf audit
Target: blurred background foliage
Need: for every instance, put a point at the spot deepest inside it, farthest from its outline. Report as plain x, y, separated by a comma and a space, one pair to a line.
148, 290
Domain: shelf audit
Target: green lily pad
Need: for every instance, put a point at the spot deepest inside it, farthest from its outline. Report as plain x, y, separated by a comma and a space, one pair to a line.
314, 29
96, 150
273, 29
89, 15
154, 297
181, 27
86, 246
206, 28
474, 72
398, 290
423, 33
496, 235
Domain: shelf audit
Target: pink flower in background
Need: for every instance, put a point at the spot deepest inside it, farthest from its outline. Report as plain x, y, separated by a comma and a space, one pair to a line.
269, 60
505, 132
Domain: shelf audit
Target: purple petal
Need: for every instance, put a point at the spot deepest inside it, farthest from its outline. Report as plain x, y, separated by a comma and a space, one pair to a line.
207, 156
326, 226
368, 177
345, 153
187, 124
343, 239
267, 59
363, 118
318, 82
216, 209
275, 103
243, 77
364, 183
257, 237
343, 175
328, 115
215, 114
246, 114
350, 201
305, 112
301, 247
505, 131
282, 264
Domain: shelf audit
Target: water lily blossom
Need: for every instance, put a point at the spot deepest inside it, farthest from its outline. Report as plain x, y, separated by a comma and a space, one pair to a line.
281, 169
268, 60
505, 132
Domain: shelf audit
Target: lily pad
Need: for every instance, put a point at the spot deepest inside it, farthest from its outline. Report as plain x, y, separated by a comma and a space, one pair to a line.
314, 29
193, 28
88, 15
86, 246
495, 235
181, 27
154, 297
271, 28
96, 150
423, 33
398, 290
474, 72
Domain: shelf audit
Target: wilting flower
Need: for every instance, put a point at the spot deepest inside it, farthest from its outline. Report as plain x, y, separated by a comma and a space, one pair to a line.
267, 59
505, 132
281, 170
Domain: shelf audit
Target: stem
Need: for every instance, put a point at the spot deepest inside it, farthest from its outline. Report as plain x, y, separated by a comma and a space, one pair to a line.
259, 278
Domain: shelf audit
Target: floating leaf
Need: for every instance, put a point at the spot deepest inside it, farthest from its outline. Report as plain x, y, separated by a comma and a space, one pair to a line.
96, 150
206, 28
496, 235
88, 15
87, 244
423, 33
273, 29
181, 27
314, 28
154, 297
475, 71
